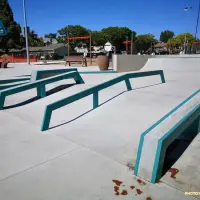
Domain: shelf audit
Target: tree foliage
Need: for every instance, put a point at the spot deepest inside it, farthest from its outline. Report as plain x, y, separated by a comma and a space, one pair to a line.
74, 30
144, 42
33, 40
51, 35
98, 38
117, 35
166, 35
180, 39
12, 40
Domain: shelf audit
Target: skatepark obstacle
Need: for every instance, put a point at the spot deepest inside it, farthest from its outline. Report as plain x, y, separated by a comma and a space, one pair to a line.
155, 140
39, 85
95, 92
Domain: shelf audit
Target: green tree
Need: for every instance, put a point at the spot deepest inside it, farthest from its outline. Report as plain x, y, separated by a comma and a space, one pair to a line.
144, 42
189, 38
51, 35
179, 40
33, 40
74, 31
12, 40
61, 39
117, 35
166, 35
98, 38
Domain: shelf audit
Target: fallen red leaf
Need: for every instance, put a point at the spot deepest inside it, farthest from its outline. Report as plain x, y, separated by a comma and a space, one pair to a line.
124, 192
173, 171
132, 187
141, 182
158, 181
117, 182
116, 188
139, 191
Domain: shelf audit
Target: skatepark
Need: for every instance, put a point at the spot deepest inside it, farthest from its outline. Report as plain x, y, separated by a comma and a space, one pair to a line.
104, 128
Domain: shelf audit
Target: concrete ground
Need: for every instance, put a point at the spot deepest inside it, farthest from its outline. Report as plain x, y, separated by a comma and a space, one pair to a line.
85, 150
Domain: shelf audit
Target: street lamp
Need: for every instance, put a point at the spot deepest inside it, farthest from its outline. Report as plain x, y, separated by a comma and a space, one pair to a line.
197, 21
127, 45
185, 40
131, 43
26, 34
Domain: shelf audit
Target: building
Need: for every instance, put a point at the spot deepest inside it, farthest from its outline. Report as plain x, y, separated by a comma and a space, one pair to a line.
58, 50
161, 48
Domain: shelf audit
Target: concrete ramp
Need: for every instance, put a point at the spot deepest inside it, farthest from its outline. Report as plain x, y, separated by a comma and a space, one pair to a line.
123, 119
85, 150
172, 64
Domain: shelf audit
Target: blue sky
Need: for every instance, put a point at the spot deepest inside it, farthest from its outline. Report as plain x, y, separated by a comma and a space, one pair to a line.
142, 16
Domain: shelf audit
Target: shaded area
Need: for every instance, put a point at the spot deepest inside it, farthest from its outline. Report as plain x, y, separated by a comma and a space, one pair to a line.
52, 91
83, 114
86, 112
177, 148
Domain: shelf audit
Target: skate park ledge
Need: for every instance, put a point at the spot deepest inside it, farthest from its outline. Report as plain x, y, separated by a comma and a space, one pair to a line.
95, 92
155, 140
39, 85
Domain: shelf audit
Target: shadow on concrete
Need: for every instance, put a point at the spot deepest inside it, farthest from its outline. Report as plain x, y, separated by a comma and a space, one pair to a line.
147, 86
52, 91
179, 145
86, 112
67, 122
8, 67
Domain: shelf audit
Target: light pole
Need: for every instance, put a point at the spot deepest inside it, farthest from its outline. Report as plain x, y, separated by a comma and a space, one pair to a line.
131, 43
26, 34
185, 40
197, 22
127, 45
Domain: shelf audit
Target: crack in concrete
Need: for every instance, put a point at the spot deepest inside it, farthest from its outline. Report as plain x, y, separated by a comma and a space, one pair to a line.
42, 163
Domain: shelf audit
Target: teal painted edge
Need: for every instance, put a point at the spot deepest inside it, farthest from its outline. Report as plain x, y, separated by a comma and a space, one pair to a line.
38, 73
87, 92
39, 84
13, 80
161, 140
9, 86
136, 168
98, 72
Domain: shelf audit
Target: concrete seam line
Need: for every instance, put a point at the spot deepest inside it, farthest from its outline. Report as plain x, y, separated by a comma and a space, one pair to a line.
93, 150
42, 163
